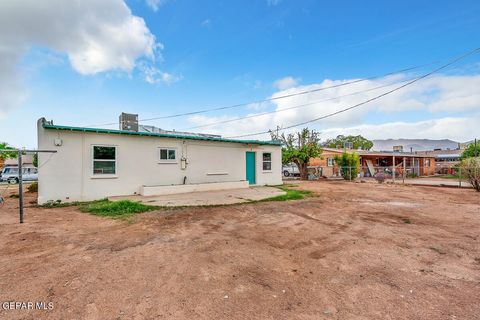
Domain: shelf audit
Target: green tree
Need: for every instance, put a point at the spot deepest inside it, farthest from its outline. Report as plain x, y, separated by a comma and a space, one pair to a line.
6, 146
471, 151
358, 142
348, 163
35, 160
299, 148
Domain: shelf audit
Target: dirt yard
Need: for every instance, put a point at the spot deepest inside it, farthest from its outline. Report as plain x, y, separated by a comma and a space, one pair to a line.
356, 251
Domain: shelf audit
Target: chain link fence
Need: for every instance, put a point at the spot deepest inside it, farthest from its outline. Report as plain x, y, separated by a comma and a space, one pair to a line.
458, 176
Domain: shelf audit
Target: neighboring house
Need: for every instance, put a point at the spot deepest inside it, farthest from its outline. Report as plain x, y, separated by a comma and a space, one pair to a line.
97, 163
372, 162
445, 160
27, 160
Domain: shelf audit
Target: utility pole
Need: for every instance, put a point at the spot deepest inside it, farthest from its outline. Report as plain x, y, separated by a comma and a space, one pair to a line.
475, 152
393, 169
20, 152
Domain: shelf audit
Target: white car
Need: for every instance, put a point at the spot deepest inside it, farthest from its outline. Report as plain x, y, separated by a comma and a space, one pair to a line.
290, 170
10, 174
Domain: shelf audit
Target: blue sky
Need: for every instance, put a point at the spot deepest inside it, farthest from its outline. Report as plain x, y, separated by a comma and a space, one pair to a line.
189, 55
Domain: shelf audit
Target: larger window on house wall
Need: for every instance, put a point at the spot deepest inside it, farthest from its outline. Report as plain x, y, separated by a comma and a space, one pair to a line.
330, 162
168, 154
267, 161
104, 160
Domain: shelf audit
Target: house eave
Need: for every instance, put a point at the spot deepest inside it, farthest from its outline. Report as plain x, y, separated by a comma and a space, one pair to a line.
158, 135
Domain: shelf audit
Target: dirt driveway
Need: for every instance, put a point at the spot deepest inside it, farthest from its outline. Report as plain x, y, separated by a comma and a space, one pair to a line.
357, 251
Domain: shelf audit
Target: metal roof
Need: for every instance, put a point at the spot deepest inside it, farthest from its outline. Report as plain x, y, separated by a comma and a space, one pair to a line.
454, 155
160, 135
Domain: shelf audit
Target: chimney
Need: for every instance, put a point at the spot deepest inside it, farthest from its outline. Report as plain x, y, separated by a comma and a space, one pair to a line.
128, 122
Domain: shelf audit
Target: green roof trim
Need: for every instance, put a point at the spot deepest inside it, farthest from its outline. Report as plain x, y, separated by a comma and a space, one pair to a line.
160, 135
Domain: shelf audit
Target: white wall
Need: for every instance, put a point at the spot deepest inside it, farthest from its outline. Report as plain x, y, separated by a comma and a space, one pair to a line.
68, 174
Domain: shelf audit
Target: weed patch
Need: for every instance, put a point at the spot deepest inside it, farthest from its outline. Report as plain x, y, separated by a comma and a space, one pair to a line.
59, 204
33, 187
116, 209
290, 194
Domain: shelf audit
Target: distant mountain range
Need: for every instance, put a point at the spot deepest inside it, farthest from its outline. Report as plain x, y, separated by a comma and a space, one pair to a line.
414, 144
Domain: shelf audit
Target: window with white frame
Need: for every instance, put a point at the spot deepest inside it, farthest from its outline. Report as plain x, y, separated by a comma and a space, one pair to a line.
267, 161
104, 160
168, 154
330, 162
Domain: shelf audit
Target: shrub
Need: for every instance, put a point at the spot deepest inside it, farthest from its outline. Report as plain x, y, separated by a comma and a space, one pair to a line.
33, 187
380, 177
473, 150
348, 163
412, 175
470, 170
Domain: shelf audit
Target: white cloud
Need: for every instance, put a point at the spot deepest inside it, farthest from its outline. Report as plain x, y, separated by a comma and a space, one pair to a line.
11, 91
286, 83
155, 4
455, 99
153, 75
95, 35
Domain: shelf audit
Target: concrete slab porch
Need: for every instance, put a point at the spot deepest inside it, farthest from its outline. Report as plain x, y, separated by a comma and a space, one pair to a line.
217, 197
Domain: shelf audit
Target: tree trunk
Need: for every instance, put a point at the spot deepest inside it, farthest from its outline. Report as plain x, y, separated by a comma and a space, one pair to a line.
302, 167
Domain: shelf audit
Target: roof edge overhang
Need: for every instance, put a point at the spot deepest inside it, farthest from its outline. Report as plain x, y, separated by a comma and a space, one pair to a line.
158, 135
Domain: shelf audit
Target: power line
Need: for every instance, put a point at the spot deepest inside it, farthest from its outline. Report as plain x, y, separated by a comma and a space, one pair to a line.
294, 107
205, 110
371, 99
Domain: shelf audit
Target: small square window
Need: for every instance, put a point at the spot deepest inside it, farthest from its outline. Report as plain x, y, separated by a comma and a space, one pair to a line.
330, 162
167, 154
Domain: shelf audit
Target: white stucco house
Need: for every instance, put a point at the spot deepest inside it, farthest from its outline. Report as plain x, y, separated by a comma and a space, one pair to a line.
94, 163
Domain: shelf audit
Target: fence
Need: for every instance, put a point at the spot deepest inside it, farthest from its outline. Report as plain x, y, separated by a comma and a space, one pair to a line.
372, 171
418, 174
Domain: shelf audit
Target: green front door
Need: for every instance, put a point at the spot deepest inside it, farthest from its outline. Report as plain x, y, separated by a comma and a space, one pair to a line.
250, 160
